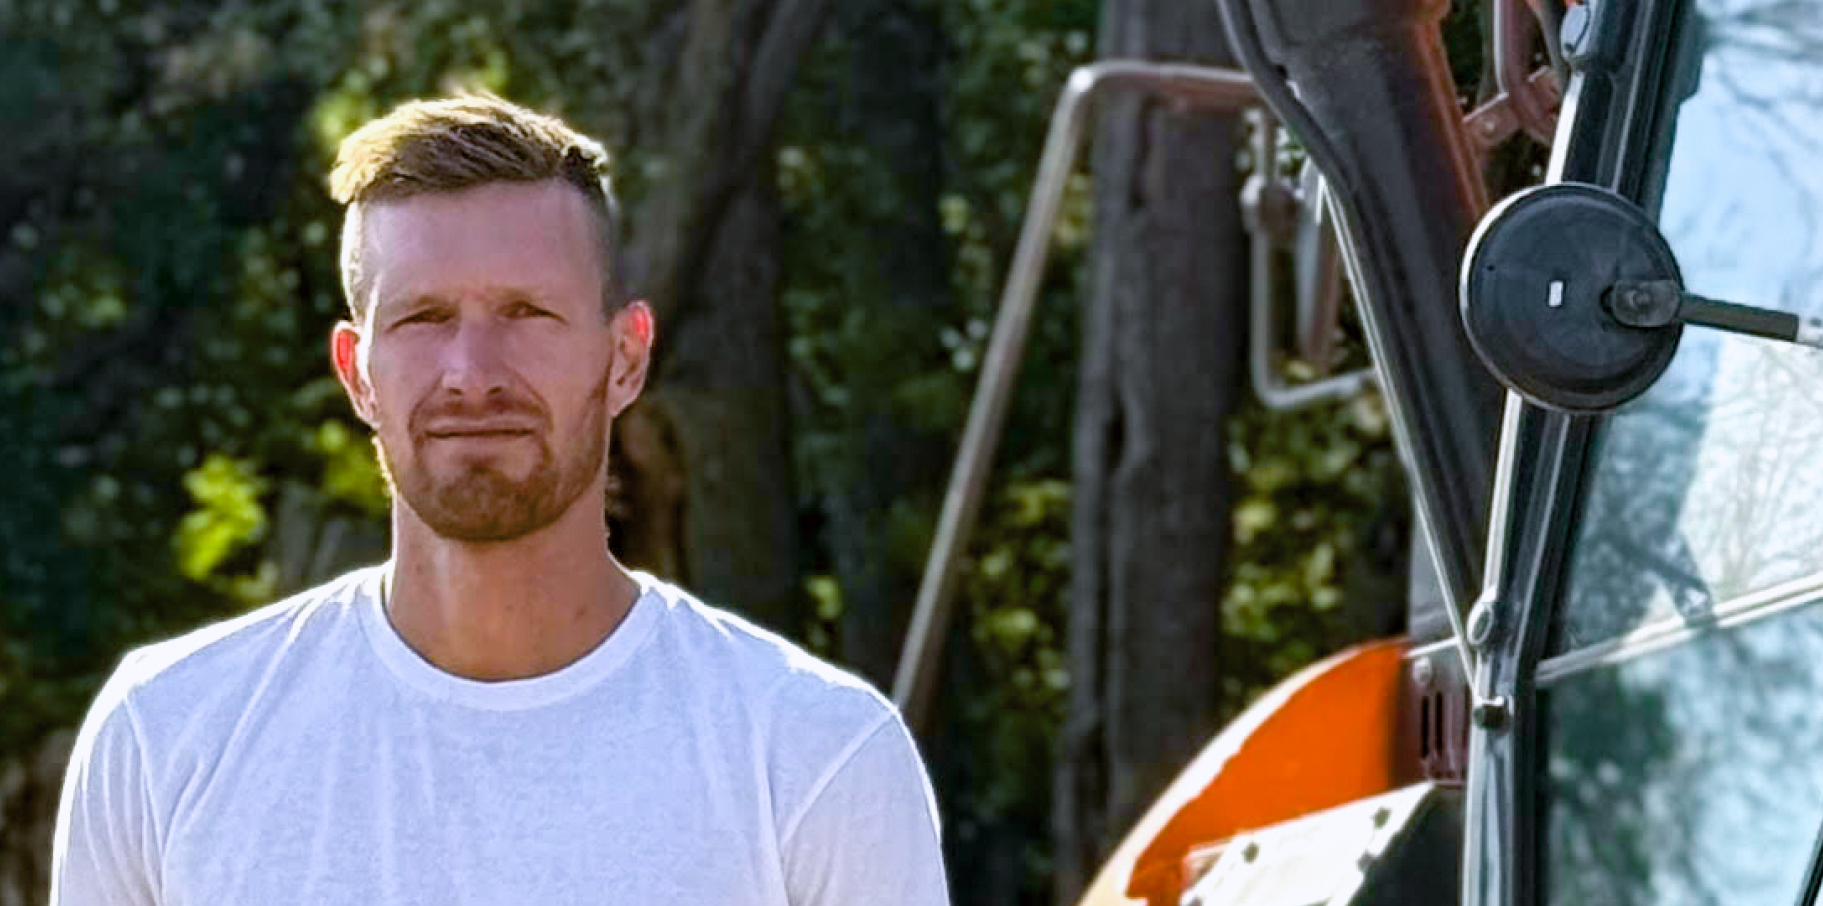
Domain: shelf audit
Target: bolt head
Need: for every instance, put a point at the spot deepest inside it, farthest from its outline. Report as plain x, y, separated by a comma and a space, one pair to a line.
1490, 714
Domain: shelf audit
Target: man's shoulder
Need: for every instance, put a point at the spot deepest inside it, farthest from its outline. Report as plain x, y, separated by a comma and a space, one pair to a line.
777, 676
808, 718
208, 660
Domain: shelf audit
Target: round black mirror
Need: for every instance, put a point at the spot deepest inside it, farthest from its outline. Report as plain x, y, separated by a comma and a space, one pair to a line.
1535, 296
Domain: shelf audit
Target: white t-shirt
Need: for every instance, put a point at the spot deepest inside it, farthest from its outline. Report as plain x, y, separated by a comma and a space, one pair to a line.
304, 754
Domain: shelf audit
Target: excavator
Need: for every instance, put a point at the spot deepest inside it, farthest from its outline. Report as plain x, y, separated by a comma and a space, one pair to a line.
1607, 393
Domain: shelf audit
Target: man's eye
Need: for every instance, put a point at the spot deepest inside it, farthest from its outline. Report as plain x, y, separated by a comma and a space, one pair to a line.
527, 310
430, 316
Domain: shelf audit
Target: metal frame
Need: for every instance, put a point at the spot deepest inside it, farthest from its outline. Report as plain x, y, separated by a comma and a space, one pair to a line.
1607, 131
1541, 456
1390, 141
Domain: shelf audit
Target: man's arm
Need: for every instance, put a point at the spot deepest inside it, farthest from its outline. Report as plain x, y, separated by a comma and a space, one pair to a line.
105, 850
869, 832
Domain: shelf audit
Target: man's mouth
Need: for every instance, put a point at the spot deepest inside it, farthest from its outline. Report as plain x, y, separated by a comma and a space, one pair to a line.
479, 434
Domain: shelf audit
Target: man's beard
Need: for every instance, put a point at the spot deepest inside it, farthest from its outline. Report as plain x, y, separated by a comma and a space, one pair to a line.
477, 503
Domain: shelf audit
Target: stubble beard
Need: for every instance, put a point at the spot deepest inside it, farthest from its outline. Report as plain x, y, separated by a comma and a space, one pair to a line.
476, 503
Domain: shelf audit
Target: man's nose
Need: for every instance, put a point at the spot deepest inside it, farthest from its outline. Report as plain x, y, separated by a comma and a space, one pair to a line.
472, 365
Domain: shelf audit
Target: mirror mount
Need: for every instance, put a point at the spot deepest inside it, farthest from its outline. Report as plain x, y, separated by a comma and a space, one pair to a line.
1573, 299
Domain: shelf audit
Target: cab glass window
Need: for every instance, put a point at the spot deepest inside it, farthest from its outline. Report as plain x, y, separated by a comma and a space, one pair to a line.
1687, 775
1680, 712
1709, 488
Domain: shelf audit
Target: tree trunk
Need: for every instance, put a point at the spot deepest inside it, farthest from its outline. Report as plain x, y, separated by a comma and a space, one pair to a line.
1164, 342
704, 462
722, 508
30, 781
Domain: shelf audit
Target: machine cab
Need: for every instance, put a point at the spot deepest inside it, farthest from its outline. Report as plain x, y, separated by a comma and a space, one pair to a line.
1630, 710
1668, 642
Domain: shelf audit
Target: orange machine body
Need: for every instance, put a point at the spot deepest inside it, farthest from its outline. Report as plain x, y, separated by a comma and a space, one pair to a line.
1326, 736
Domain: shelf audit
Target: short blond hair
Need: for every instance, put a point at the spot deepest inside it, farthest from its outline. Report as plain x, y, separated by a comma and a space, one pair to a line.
460, 143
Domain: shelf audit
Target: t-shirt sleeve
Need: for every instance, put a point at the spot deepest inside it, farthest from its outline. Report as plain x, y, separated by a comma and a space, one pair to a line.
868, 833
105, 852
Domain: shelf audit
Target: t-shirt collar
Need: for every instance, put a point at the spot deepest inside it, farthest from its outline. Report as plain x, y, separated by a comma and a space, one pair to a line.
413, 670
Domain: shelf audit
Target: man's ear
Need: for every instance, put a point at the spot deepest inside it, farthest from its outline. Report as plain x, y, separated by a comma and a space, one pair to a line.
345, 355
633, 329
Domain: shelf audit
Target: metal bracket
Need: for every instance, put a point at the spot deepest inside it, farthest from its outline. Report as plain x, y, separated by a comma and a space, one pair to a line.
1274, 210
1492, 123
1488, 711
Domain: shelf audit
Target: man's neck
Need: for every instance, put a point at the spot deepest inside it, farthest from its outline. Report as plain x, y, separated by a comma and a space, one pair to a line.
510, 610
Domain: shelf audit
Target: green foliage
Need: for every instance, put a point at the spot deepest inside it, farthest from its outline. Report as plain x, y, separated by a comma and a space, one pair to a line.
228, 514
1017, 589
834, 190
351, 471
1320, 512
859, 358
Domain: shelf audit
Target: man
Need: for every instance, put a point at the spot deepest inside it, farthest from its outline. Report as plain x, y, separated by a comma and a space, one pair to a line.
501, 713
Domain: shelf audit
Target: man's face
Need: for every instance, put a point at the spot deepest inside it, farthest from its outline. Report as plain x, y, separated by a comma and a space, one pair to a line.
485, 363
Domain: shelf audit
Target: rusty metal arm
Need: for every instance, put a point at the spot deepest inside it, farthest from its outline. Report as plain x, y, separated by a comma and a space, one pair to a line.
1516, 26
